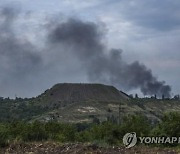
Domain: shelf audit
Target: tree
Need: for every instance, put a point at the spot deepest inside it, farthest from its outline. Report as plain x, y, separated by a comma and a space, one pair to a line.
131, 96
176, 97
155, 96
136, 96
163, 97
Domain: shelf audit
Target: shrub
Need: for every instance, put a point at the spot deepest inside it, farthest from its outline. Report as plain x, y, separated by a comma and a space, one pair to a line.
106, 132
136, 123
34, 132
3, 136
169, 126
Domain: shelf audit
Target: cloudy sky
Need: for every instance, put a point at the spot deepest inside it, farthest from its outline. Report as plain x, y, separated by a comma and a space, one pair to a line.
147, 31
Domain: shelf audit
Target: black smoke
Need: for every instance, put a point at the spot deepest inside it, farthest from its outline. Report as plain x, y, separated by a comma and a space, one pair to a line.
72, 46
85, 39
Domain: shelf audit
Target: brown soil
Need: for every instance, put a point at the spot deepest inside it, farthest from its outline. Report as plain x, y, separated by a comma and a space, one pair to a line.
54, 148
84, 92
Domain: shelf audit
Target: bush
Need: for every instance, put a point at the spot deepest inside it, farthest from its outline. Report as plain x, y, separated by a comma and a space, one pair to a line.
52, 129
3, 136
34, 132
60, 132
104, 133
169, 126
83, 136
136, 123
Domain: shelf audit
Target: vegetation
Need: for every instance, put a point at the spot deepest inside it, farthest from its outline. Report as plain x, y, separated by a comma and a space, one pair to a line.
104, 118
32, 109
169, 126
104, 133
85, 103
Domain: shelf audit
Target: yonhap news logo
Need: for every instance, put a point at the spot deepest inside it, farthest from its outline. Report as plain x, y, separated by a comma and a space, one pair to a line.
131, 139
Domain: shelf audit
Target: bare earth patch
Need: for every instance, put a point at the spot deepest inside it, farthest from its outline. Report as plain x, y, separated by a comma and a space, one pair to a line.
55, 148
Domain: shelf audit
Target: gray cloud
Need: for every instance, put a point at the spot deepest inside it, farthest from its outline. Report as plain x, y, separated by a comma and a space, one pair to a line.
18, 58
160, 15
26, 68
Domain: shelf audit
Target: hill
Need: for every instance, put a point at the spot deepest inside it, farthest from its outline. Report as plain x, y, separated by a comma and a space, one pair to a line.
85, 92
69, 102
74, 92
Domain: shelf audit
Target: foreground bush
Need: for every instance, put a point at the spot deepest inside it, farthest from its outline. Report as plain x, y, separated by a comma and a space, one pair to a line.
169, 126
103, 133
136, 123
3, 135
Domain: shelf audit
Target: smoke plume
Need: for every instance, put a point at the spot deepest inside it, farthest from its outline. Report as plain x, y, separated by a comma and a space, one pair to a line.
72, 46
85, 38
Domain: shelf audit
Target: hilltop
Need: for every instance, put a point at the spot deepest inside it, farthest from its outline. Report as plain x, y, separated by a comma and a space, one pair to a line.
85, 92
75, 102
77, 92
